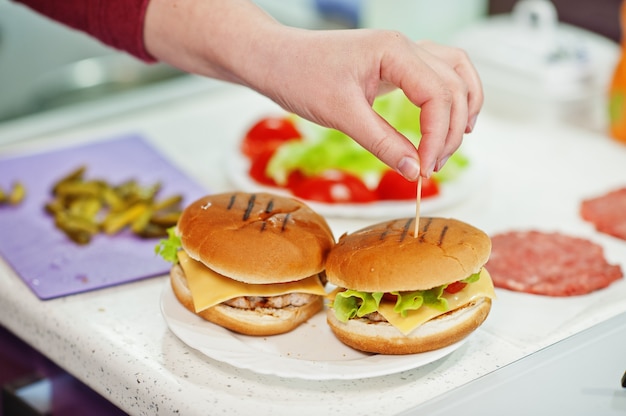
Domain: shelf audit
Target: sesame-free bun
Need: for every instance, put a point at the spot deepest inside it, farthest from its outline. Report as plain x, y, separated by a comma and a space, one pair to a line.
386, 257
439, 332
263, 322
255, 238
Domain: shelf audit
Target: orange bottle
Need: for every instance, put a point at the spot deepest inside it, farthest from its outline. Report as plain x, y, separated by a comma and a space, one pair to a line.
617, 92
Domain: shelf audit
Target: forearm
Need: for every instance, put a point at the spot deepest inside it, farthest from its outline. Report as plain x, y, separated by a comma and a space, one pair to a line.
229, 40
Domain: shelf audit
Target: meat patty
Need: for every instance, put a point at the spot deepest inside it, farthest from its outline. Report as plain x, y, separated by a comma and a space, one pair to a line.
607, 213
277, 302
549, 264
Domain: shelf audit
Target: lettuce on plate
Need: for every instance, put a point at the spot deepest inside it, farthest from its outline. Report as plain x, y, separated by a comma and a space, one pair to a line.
327, 149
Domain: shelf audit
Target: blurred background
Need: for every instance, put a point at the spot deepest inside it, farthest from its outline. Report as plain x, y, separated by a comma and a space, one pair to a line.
47, 69
537, 58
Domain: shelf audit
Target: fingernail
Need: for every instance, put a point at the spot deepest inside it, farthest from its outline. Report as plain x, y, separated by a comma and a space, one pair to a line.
441, 163
409, 168
472, 123
426, 173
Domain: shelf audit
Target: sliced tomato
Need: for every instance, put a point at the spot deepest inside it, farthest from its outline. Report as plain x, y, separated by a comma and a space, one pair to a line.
393, 186
294, 178
332, 187
390, 297
455, 287
258, 166
267, 134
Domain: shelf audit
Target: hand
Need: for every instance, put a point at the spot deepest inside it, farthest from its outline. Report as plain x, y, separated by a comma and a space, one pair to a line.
329, 77
333, 77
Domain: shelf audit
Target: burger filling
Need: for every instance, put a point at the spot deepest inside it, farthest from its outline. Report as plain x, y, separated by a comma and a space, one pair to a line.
208, 288
276, 302
349, 304
294, 299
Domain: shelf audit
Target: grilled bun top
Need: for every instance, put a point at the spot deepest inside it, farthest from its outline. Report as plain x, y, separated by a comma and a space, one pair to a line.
386, 257
255, 238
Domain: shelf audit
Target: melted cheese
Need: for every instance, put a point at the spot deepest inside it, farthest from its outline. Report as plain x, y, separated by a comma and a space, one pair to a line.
482, 288
208, 288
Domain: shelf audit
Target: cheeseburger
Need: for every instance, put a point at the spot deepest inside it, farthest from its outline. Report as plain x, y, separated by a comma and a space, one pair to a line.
252, 263
400, 294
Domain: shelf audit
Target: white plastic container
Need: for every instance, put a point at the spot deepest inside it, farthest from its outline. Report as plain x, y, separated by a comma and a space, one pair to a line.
533, 66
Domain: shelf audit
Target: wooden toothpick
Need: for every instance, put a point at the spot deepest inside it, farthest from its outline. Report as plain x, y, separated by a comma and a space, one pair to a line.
418, 201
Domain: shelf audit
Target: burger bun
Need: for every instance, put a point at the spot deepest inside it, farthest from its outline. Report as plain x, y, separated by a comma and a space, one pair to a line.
255, 238
386, 257
384, 338
256, 322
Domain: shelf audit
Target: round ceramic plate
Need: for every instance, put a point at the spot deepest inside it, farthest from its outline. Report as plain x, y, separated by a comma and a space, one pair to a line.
309, 352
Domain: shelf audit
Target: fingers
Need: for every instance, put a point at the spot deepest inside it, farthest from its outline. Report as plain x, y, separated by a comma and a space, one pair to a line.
449, 93
460, 62
339, 82
443, 83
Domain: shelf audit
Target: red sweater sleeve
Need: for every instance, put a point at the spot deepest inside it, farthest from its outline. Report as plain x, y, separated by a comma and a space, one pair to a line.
117, 23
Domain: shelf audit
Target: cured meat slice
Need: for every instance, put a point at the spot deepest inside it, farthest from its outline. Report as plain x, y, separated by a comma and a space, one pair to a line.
607, 213
550, 264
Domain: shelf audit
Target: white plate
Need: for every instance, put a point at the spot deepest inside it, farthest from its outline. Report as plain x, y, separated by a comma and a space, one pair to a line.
450, 193
309, 352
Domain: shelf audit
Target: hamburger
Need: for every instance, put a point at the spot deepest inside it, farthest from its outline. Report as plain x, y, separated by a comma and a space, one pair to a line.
400, 294
251, 263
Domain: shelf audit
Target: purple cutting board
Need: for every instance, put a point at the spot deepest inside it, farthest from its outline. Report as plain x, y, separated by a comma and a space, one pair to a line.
46, 260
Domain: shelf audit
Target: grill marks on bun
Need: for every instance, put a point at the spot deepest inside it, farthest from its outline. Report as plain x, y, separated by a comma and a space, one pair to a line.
425, 228
422, 235
436, 239
281, 238
251, 200
263, 216
392, 227
385, 257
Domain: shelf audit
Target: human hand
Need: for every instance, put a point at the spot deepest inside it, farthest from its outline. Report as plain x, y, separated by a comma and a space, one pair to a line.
333, 77
329, 77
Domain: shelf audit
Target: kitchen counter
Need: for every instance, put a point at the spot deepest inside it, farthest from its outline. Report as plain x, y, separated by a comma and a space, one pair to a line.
116, 340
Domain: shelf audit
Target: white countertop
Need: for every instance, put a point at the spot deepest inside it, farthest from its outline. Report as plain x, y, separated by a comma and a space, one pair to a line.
117, 342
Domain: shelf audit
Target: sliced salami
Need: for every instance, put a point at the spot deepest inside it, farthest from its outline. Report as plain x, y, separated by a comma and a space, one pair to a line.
607, 213
550, 264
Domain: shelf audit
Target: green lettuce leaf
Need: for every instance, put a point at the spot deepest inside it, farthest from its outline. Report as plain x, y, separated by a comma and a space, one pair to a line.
351, 303
401, 113
168, 248
472, 279
433, 298
408, 301
328, 149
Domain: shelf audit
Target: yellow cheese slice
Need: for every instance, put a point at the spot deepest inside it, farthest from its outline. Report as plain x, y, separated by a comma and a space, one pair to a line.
208, 288
481, 288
